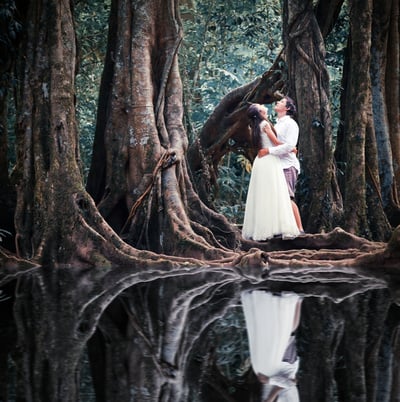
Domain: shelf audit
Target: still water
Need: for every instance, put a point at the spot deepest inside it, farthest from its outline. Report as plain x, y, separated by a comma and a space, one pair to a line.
206, 334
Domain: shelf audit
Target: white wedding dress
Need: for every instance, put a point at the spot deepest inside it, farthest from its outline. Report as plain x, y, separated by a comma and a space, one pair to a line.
268, 209
269, 322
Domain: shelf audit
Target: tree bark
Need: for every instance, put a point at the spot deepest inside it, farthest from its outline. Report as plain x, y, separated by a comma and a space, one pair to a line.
225, 131
349, 348
60, 315
391, 89
326, 13
47, 136
47, 173
309, 84
320, 196
153, 328
9, 37
360, 166
144, 189
50, 337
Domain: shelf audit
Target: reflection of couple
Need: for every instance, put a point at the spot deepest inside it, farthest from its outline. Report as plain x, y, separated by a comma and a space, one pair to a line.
271, 321
270, 207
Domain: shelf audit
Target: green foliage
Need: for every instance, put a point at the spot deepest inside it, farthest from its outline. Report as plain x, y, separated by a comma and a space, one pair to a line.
233, 181
335, 45
231, 344
226, 44
91, 27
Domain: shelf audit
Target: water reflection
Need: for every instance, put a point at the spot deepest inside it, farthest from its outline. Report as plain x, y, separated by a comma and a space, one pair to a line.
203, 334
271, 323
347, 350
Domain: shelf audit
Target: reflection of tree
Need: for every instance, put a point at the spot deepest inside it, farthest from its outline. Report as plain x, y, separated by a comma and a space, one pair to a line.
152, 329
148, 333
346, 349
168, 320
143, 339
353, 346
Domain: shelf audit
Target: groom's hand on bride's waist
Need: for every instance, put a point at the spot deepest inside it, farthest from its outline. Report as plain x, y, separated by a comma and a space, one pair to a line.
262, 152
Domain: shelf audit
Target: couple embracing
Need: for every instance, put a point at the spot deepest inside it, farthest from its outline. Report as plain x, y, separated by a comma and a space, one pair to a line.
270, 207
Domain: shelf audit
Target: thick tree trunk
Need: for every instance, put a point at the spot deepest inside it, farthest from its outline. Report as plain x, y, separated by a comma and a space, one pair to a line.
360, 142
379, 43
327, 14
318, 191
7, 193
9, 35
144, 189
391, 88
225, 130
50, 337
7, 340
55, 317
381, 197
319, 194
319, 316
48, 174
149, 335
393, 339
47, 137
57, 223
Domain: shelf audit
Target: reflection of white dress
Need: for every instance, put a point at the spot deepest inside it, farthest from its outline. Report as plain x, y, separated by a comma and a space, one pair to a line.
287, 395
268, 209
269, 322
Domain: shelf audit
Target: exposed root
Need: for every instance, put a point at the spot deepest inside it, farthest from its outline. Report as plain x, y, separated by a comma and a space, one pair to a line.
13, 266
340, 249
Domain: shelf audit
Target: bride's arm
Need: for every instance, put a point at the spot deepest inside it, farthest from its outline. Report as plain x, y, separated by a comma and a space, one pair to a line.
271, 134
267, 128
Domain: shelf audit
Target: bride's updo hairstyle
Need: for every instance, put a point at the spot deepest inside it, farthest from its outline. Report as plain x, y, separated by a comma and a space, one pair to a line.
253, 112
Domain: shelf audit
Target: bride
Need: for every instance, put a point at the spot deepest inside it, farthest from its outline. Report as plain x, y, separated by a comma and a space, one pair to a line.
268, 210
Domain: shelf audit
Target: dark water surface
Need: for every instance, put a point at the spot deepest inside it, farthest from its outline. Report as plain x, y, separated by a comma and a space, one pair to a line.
192, 320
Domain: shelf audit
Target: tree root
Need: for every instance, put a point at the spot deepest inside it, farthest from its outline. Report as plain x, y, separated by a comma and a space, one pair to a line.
334, 249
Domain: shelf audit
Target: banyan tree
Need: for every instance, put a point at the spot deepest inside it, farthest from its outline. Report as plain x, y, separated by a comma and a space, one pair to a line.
132, 269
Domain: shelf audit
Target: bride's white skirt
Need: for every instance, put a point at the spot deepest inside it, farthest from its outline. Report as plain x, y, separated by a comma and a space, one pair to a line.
268, 209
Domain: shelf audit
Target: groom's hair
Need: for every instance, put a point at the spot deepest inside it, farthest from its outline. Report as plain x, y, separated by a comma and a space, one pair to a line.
290, 105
